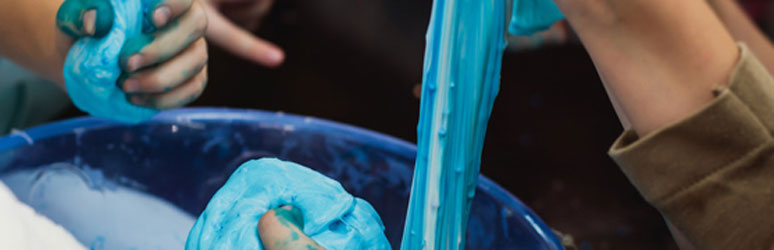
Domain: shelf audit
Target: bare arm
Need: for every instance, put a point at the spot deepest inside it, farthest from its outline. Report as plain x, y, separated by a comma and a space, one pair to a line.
660, 59
29, 36
743, 29
163, 69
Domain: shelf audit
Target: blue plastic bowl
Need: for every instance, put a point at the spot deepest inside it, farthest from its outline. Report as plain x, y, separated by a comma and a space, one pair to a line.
184, 156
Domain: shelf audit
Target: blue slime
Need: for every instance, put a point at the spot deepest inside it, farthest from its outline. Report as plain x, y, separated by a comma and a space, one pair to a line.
461, 77
465, 44
530, 16
91, 69
332, 217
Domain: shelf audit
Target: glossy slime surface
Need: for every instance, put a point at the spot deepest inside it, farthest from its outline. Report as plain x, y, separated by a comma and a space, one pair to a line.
332, 217
465, 43
91, 69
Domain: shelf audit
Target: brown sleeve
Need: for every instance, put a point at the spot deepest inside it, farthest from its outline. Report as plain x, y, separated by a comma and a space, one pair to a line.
712, 174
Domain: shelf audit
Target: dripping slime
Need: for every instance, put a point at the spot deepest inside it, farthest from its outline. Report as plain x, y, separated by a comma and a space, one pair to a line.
465, 42
463, 55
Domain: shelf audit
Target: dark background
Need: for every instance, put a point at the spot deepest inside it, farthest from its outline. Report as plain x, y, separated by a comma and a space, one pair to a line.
360, 61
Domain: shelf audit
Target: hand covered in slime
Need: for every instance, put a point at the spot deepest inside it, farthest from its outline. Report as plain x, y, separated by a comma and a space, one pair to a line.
163, 67
133, 57
167, 67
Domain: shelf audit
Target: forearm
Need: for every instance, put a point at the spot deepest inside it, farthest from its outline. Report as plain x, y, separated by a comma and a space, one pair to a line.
660, 59
742, 28
29, 36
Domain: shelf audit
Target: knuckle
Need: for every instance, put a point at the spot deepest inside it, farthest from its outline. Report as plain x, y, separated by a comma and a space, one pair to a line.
200, 28
203, 76
201, 20
197, 46
151, 83
199, 91
158, 102
203, 58
201, 84
185, 4
205, 79
150, 54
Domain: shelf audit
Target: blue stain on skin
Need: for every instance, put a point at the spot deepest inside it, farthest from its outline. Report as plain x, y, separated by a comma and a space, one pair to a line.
149, 6
92, 68
294, 236
231, 217
134, 45
69, 16
290, 216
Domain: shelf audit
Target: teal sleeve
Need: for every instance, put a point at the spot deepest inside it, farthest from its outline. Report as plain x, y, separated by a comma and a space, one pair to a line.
27, 99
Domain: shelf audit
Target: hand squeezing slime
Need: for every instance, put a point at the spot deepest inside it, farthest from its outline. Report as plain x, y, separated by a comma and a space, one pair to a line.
92, 68
332, 217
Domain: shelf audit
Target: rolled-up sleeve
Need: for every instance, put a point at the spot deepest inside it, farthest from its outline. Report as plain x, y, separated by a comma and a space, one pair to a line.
712, 174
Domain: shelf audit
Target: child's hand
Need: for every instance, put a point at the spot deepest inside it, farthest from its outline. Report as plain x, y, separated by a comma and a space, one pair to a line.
281, 229
231, 24
162, 69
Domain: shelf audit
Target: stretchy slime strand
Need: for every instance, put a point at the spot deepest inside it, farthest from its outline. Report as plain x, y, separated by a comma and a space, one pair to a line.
331, 216
465, 43
91, 68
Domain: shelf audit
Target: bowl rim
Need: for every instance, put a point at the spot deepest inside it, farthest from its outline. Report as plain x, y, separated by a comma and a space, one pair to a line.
20, 138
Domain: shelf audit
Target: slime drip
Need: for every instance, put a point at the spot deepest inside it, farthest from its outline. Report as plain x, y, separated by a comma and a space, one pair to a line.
465, 44
461, 77
91, 69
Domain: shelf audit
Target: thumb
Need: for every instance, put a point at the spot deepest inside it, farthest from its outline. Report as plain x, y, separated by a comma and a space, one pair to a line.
80, 18
279, 229
240, 42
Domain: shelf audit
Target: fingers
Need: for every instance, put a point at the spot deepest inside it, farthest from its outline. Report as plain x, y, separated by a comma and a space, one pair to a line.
169, 75
279, 229
160, 12
246, 14
149, 49
242, 43
167, 68
79, 18
179, 96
